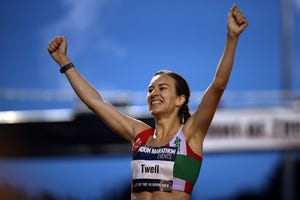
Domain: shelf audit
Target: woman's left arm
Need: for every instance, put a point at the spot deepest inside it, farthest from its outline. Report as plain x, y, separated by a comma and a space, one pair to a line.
200, 121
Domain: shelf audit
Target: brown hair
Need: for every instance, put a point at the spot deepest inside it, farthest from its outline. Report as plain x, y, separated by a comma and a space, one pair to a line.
182, 88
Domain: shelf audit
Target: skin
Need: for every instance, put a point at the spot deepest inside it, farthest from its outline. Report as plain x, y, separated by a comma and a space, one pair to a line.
163, 103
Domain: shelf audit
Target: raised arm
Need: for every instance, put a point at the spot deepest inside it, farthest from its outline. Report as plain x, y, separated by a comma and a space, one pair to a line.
200, 121
122, 124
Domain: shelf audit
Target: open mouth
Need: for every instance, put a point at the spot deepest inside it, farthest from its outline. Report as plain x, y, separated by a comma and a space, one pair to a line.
156, 102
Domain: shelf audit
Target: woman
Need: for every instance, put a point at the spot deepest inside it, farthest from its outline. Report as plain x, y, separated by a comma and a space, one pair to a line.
166, 160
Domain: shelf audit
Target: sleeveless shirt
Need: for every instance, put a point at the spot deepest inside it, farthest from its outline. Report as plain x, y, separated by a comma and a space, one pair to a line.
171, 167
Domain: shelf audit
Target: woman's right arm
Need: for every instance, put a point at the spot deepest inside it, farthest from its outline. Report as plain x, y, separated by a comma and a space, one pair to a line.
125, 126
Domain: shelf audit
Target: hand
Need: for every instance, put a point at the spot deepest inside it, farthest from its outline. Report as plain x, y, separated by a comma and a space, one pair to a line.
57, 48
236, 21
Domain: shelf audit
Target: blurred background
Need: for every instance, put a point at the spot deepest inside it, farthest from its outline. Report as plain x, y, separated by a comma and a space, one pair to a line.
53, 147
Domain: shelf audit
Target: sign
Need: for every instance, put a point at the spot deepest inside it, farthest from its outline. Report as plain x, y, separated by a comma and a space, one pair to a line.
254, 129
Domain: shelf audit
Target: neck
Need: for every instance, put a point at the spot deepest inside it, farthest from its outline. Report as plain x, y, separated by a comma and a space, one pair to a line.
164, 129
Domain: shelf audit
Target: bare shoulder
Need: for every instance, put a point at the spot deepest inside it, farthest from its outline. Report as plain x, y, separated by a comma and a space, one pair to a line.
139, 126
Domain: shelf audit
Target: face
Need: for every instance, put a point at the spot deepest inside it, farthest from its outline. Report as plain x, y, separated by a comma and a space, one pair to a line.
162, 97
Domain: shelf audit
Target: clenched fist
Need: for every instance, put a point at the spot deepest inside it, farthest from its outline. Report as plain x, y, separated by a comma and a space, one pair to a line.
236, 21
57, 48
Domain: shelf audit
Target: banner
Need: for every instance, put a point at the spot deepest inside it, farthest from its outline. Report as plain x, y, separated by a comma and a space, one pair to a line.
254, 129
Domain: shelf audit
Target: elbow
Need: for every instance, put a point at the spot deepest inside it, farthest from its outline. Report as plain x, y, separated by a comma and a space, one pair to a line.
219, 85
91, 103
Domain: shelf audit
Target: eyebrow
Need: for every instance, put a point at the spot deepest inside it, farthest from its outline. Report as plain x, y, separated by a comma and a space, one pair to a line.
161, 84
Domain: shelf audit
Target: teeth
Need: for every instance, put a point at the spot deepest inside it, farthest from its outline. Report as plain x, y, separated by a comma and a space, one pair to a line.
155, 102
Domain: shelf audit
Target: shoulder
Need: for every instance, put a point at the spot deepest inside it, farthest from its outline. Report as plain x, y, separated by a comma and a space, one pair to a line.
144, 134
141, 138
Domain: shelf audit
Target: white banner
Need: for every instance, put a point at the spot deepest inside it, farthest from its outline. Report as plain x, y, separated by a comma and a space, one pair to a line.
254, 129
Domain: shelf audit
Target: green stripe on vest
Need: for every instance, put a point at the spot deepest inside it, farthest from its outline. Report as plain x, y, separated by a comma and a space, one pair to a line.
186, 168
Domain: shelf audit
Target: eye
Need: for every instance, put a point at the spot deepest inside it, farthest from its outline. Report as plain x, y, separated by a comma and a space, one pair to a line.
163, 88
150, 90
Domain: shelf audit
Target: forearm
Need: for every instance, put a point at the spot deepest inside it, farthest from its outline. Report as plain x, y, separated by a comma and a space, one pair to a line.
57, 48
236, 23
85, 91
226, 63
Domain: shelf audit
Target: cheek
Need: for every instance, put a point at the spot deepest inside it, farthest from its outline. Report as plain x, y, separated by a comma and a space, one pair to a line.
148, 97
173, 100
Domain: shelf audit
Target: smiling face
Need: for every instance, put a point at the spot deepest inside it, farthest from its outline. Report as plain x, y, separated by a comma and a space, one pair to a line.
162, 97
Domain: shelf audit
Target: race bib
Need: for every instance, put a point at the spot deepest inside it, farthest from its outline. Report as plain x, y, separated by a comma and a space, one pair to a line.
152, 169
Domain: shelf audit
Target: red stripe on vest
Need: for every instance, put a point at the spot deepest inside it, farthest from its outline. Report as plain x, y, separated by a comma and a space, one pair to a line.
191, 153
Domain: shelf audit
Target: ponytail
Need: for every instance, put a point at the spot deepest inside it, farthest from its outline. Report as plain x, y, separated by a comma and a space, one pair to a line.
185, 113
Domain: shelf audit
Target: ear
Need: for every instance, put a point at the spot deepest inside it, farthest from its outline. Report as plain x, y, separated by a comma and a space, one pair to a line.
180, 100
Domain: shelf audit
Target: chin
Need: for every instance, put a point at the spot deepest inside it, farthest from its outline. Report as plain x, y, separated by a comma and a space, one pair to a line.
154, 112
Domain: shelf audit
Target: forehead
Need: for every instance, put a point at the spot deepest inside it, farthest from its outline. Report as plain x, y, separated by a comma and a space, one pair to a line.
162, 79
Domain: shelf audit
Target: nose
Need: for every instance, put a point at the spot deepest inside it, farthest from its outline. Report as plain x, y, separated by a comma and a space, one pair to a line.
154, 92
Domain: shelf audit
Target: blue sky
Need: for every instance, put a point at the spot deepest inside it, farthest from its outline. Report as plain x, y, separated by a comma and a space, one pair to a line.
118, 45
